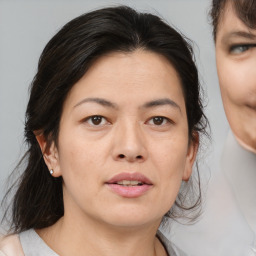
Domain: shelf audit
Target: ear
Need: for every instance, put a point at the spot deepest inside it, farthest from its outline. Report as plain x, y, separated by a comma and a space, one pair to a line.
191, 156
50, 154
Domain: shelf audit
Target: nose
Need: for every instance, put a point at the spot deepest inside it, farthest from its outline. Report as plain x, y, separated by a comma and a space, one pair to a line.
130, 143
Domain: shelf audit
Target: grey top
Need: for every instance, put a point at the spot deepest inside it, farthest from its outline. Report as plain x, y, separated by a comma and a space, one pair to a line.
171, 249
33, 245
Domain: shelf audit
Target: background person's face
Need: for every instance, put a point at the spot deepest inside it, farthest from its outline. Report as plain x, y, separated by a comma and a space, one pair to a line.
126, 115
236, 65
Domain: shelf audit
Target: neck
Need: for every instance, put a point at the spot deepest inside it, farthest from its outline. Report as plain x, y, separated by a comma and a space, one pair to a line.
70, 237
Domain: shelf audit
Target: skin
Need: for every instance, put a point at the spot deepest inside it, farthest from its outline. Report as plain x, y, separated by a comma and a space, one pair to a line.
236, 66
126, 139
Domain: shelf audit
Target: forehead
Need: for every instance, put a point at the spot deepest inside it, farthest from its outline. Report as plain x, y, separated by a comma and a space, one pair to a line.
243, 10
140, 75
228, 15
138, 61
229, 22
134, 68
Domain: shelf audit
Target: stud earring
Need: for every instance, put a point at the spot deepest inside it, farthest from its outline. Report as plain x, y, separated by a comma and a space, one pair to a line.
51, 171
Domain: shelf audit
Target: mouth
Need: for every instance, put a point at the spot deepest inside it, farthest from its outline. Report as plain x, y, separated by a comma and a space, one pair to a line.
251, 101
130, 179
253, 107
129, 185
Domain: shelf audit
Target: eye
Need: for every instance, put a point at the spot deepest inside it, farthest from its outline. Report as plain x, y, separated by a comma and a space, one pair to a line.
237, 49
159, 120
96, 120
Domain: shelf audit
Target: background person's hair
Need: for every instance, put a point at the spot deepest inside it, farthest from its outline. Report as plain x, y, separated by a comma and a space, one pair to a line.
244, 9
38, 201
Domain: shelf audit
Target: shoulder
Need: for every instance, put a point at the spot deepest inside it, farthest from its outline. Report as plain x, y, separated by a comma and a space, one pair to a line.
10, 246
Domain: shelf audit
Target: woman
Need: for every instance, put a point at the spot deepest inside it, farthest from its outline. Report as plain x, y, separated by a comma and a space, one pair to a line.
234, 30
113, 126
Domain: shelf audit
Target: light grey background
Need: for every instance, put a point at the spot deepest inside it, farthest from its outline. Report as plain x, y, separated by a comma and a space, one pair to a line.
25, 28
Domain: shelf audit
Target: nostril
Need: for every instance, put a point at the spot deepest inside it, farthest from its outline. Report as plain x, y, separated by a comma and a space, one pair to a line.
130, 158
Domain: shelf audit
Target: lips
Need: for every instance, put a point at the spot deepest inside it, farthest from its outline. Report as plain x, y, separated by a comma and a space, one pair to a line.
129, 185
129, 177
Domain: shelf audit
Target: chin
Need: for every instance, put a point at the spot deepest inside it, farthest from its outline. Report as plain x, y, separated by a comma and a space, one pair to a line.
248, 142
131, 219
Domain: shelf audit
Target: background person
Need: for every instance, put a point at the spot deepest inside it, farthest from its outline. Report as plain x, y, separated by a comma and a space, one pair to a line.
234, 28
228, 224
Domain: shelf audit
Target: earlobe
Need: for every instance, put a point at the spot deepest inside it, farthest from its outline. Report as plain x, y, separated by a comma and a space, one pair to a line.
191, 156
50, 154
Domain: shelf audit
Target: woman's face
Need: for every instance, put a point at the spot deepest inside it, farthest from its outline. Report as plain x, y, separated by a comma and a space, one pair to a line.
123, 146
236, 65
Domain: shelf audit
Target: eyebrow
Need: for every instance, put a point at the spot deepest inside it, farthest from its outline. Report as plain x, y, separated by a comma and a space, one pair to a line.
99, 101
150, 104
238, 34
161, 102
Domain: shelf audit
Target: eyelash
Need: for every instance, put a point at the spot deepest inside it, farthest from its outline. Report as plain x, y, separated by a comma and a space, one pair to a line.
164, 119
89, 120
241, 48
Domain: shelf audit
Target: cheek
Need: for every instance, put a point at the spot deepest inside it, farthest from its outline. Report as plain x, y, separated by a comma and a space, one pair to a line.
170, 171
228, 83
78, 162
236, 81
170, 157
77, 158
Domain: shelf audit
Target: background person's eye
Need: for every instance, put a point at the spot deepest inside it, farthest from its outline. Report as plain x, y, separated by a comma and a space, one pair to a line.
236, 49
96, 120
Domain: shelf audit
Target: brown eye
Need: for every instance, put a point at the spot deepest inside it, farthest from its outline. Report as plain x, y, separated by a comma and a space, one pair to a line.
158, 120
96, 120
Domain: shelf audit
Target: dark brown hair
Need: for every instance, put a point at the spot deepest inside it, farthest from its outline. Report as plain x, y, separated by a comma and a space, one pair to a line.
38, 201
245, 11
